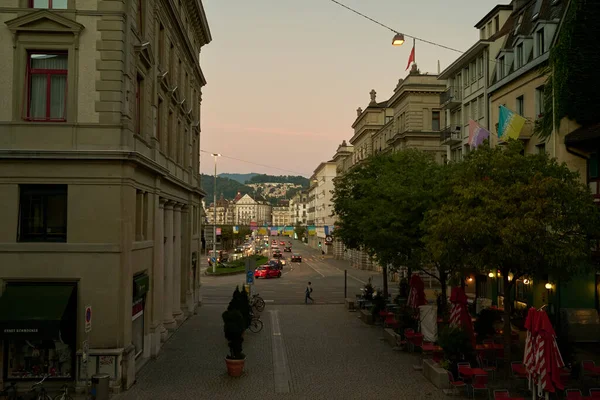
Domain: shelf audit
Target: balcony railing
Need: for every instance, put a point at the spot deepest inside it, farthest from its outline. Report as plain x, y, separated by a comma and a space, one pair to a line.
452, 97
450, 136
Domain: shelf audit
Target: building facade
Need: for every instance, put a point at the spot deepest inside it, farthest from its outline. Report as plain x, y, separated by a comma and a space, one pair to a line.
299, 208
225, 212
251, 209
99, 142
320, 192
282, 216
467, 82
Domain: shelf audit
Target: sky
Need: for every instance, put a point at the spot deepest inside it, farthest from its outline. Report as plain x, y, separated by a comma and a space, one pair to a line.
285, 77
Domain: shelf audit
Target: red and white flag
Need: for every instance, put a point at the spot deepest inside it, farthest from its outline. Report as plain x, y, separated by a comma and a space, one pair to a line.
411, 59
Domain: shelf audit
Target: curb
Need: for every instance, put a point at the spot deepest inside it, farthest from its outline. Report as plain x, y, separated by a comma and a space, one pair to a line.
225, 273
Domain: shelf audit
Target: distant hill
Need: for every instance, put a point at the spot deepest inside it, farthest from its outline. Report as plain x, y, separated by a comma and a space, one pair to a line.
228, 187
241, 178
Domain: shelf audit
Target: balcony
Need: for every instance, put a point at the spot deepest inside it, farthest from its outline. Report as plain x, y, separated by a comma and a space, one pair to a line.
451, 98
449, 136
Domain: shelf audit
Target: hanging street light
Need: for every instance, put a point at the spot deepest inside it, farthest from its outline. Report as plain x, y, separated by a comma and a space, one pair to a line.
398, 39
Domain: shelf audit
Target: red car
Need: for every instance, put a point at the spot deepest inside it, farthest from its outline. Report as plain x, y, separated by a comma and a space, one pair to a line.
266, 271
296, 258
282, 243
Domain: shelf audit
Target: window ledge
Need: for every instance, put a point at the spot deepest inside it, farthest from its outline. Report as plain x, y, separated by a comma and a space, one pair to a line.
142, 244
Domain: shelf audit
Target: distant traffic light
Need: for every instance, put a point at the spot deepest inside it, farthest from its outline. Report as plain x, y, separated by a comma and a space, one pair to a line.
319, 244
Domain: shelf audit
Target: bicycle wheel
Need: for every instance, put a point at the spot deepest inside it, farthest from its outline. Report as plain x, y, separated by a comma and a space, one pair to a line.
256, 325
259, 304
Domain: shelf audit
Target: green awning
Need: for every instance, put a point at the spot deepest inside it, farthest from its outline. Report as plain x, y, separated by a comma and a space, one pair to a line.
141, 285
34, 310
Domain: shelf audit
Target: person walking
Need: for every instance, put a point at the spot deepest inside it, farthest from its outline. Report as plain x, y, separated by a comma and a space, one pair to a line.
308, 293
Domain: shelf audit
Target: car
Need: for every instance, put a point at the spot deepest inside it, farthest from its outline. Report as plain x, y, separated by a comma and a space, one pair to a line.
296, 258
276, 263
282, 243
287, 249
277, 254
266, 271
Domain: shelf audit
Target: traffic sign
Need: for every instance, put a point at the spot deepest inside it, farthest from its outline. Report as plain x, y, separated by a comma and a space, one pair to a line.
250, 277
88, 319
328, 239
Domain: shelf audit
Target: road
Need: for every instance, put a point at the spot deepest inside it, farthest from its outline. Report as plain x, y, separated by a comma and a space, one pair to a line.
318, 351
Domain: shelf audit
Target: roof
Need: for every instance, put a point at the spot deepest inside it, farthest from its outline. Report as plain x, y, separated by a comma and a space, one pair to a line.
493, 11
458, 64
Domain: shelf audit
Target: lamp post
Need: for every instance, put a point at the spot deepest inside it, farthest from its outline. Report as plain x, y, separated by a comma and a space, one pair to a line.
215, 155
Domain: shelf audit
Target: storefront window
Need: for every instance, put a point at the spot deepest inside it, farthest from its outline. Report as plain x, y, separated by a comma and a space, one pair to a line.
137, 326
38, 358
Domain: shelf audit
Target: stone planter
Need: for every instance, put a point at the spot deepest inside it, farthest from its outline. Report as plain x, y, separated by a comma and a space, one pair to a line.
391, 337
366, 317
435, 374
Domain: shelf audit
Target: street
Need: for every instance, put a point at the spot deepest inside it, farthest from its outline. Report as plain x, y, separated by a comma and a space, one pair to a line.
303, 352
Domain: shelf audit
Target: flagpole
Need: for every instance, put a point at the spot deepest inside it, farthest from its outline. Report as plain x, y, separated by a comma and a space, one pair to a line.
414, 51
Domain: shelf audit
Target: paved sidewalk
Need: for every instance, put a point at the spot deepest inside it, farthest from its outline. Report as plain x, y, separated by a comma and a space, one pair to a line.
314, 352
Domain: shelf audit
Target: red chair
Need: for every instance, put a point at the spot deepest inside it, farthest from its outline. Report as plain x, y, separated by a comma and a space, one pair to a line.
573, 394
417, 341
501, 394
595, 393
486, 368
589, 369
480, 384
456, 384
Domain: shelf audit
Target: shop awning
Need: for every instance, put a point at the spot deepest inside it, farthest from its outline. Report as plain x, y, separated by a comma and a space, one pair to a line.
34, 311
584, 137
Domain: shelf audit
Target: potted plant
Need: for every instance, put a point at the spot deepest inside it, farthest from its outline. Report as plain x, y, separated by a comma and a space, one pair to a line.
457, 346
234, 327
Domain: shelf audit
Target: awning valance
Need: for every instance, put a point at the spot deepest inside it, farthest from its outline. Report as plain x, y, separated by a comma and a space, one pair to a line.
34, 311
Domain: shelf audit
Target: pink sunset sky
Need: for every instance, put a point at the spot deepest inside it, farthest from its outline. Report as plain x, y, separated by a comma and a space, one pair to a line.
285, 77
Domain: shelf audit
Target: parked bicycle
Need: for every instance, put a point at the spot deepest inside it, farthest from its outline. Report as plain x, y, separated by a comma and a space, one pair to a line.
256, 324
10, 392
64, 395
40, 391
257, 302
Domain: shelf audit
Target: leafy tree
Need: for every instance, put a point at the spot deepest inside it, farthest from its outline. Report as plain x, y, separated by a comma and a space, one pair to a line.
227, 187
573, 80
300, 230
523, 215
380, 206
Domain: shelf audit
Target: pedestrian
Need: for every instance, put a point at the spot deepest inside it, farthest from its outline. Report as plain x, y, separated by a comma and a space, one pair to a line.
307, 294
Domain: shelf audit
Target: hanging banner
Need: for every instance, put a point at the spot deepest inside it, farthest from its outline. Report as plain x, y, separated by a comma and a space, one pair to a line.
274, 231
312, 230
262, 231
253, 226
236, 229
218, 231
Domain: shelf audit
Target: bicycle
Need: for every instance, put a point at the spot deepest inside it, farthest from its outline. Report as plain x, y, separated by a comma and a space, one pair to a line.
10, 393
256, 324
64, 395
257, 302
41, 394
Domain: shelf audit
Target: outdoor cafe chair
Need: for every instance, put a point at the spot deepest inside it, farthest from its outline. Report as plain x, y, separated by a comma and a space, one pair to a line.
457, 384
485, 367
573, 394
501, 394
595, 393
480, 383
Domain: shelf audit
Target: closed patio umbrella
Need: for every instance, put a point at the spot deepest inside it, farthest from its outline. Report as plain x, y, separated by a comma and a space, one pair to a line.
416, 297
459, 313
548, 360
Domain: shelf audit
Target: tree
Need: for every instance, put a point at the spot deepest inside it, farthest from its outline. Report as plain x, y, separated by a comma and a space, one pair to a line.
380, 203
571, 86
520, 215
300, 230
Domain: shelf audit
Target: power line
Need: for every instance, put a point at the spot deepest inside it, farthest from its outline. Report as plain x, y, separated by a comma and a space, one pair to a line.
407, 35
254, 163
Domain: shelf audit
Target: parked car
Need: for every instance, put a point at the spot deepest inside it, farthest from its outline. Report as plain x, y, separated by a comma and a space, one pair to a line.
287, 249
296, 258
266, 271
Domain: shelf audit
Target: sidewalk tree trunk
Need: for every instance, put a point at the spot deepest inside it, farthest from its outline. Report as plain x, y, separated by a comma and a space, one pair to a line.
385, 282
524, 215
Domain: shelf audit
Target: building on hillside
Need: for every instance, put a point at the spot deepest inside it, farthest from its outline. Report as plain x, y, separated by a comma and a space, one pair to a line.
100, 132
320, 206
225, 212
467, 82
249, 209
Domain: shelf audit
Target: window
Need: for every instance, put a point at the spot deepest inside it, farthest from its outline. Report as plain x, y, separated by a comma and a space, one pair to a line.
170, 136
520, 105
501, 68
50, 4
539, 40
159, 118
140, 17
539, 102
466, 82
172, 64
47, 86
519, 58
435, 121
497, 23
139, 93
161, 45
43, 213
541, 148
480, 67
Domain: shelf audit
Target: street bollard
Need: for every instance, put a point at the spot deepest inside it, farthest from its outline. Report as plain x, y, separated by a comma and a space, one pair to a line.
100, 386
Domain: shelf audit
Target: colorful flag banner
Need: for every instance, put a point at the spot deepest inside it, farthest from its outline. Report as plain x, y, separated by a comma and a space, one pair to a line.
236, 229
510, 124
312, 230
411, 58
326, 230
274, 231
218, 231
262, 231
477, 134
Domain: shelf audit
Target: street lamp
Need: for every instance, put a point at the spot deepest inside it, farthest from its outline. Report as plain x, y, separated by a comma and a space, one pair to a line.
398, 39
215, 155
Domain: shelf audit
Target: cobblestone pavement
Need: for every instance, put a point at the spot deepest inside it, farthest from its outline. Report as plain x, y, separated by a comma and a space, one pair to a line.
328, 353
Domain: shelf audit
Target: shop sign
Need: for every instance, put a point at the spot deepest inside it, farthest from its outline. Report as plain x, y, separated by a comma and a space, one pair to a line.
141, 285
20, 330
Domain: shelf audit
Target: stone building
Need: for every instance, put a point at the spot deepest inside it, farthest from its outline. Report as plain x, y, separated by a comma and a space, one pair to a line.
99, 144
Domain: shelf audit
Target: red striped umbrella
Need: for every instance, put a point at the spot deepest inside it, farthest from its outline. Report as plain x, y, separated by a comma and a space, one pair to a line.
416, 296
530, 343
459, 314
548, 360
